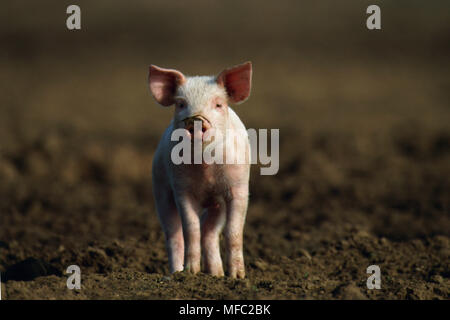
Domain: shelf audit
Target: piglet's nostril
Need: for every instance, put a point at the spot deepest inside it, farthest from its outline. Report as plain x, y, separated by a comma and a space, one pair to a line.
196, 124
190, 127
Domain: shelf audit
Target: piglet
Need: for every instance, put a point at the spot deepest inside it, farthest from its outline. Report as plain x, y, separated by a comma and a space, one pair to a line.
195, 202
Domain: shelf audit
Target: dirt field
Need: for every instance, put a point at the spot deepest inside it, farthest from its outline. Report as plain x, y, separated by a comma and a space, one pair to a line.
364, 123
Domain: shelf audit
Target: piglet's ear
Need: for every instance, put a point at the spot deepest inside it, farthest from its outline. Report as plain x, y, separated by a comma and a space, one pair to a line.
163, 84
237, 81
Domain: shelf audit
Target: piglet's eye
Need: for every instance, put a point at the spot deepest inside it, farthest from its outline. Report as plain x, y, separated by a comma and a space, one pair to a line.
180, 104
218, 105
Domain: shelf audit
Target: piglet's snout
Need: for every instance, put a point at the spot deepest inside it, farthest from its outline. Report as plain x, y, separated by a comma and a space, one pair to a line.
196, 127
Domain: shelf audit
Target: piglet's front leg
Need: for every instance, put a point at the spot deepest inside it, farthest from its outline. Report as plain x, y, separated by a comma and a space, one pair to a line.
212, 224
190, 218
234, 229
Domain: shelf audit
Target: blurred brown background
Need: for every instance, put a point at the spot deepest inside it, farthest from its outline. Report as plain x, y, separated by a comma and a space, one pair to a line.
364, 128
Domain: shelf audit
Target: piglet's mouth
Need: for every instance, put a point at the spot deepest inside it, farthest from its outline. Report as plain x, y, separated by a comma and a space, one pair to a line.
197, 122
197, 126
190, 120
